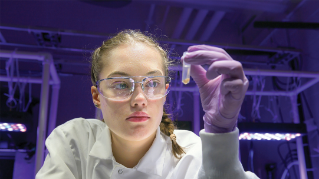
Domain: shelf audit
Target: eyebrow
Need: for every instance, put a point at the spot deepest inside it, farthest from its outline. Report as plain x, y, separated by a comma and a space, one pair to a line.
126, 74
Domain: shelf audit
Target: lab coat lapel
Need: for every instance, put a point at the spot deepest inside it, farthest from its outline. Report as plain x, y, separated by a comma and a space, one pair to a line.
153, 161
102, 148
99, 164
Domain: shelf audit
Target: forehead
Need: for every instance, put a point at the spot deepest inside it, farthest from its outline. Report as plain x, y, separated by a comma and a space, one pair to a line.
136, 59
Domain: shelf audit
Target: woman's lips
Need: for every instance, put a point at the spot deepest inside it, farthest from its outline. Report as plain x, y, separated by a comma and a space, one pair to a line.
138, 116
138, 119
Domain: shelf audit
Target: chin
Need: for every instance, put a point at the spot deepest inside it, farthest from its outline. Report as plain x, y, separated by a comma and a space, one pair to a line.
139, 133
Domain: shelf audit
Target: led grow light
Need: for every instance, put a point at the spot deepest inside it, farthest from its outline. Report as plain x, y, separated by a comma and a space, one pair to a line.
268, 136
270, 131
12, 127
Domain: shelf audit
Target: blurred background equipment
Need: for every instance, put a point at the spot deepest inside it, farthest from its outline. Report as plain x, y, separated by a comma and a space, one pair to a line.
49, 43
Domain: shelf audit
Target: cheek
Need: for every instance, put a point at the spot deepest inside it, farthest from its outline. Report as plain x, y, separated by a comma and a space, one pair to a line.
157, 108
110, 109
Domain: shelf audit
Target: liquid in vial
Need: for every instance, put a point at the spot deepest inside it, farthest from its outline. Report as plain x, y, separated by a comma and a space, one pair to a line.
186, 71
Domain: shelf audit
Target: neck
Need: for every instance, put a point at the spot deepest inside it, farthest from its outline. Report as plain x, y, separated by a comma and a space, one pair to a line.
129, 153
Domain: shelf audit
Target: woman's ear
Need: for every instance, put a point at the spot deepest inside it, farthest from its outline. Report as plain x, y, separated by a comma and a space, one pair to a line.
166, 87
95, 96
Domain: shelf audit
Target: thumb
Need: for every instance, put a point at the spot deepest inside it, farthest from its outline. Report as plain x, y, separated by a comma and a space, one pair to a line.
198, 73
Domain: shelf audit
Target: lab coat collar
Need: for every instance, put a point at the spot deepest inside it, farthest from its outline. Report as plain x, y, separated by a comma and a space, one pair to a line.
102, 148
151, 163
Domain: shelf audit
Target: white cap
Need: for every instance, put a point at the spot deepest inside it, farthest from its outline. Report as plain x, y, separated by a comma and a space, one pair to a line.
184, 63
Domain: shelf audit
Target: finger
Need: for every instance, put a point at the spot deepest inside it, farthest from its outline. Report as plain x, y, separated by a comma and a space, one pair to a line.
198, 74
233, 86
202, 57
207, 48
230, 106
231, 68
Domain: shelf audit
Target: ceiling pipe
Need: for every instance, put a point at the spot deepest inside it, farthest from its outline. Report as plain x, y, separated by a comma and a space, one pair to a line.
261, 72
285, 19
44, 47
149, 21
24, 80
174, 42
165, 17
180, 26
3, 40
214, 21
286, 25
196, 24
168, 41
229, 46
226, 5
61, 32
182, 22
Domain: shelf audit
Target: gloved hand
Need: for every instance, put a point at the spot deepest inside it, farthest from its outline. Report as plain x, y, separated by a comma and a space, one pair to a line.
222, 87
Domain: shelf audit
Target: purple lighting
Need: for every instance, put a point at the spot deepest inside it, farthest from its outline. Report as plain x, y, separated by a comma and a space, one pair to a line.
268, 136
12, 127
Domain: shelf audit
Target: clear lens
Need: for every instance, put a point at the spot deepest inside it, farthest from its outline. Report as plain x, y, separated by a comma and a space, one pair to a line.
117, 88
154, 87
122, 88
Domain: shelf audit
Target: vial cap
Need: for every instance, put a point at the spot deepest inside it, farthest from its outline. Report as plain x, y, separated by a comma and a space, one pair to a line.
185, 64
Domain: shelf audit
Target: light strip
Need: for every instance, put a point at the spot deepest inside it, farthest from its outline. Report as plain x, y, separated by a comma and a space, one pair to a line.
12, 127
268, 136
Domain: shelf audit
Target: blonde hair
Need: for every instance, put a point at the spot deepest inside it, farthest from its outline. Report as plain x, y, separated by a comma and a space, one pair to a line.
125, 37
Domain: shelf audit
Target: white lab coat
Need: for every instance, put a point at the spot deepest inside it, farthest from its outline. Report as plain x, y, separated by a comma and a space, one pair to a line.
81, 149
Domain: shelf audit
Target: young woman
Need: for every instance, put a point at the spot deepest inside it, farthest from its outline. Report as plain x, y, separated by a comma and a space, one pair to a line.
137, 139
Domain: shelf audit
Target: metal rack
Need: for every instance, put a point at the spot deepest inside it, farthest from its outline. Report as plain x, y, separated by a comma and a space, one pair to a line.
48, 71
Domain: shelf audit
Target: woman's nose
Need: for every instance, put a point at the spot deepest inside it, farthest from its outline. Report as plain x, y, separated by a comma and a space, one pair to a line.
138, 96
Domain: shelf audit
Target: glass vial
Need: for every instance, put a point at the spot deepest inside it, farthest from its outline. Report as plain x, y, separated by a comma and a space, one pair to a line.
186, 71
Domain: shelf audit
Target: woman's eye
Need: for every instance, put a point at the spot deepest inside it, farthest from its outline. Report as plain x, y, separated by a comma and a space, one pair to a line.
120, 86
152, 84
